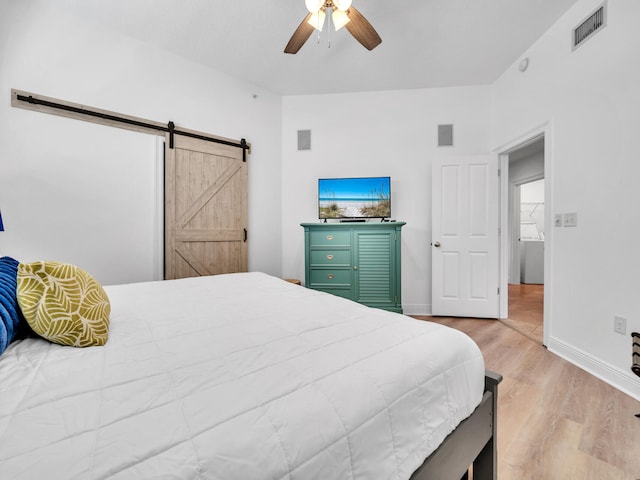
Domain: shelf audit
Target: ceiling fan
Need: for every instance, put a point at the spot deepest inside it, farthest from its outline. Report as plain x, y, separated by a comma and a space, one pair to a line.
342, 14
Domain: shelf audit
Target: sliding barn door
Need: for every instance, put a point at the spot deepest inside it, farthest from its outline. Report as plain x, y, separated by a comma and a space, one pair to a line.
205, 209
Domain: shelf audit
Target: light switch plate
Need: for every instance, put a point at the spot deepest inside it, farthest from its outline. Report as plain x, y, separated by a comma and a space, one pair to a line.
571, 219
620, 325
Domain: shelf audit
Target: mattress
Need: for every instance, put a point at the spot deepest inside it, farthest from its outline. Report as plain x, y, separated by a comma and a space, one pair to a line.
239, 376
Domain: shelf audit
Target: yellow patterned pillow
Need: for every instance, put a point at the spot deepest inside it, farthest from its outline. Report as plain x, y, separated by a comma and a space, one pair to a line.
63, 303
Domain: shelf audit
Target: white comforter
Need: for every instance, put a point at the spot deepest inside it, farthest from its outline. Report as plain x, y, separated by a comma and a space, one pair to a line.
240, 376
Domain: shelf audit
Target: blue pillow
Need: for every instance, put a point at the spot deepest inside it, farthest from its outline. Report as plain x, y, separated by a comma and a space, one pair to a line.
10, 314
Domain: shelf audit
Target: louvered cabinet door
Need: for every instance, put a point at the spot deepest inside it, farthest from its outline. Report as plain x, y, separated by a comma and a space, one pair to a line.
376, 269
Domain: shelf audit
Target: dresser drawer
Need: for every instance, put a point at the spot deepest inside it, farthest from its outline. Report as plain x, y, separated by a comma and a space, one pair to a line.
327, 277
330, 257
340, 292
326, 238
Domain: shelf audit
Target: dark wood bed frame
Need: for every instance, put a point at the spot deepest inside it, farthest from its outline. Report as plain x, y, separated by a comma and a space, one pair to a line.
473, 442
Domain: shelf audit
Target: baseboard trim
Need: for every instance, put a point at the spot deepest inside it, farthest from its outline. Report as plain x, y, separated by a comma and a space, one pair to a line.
416, 309
607, 373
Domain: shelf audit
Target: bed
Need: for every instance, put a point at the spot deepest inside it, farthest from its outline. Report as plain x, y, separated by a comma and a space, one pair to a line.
246, 376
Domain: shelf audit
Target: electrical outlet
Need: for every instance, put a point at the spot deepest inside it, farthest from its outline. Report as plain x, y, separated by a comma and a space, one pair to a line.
620, 325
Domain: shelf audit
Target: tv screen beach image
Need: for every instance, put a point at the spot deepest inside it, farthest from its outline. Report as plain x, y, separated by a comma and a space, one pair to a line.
354, 197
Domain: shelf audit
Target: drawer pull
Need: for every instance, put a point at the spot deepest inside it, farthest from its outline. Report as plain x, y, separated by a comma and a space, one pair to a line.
329, 237
330, 276
329, 257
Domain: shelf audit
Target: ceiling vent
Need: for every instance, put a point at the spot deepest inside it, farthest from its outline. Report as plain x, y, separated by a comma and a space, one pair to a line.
593, 23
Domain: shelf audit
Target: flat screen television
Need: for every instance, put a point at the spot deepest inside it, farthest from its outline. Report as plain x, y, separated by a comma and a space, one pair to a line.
354, 198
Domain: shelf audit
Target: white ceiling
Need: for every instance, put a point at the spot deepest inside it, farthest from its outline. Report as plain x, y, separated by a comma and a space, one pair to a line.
425, 43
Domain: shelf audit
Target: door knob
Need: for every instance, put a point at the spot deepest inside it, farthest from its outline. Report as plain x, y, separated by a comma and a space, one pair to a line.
436, 244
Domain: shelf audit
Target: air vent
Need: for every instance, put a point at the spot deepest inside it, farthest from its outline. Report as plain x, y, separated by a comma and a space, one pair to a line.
304, 139
445, 135
595, 22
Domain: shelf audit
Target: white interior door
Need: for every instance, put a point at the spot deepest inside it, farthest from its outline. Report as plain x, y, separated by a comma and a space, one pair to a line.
465, 255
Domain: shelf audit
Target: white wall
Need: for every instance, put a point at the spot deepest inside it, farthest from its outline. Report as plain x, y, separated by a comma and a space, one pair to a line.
378, 134
591, 100
84, 193
532, 192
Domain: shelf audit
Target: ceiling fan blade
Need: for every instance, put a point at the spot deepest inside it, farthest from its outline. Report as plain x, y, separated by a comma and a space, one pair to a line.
362, 30
301, 35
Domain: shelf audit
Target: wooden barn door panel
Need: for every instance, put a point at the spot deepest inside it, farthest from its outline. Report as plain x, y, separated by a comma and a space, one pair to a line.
205, 209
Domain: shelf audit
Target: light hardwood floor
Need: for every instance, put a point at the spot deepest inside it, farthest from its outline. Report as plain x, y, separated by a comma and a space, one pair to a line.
526, 304
555, 421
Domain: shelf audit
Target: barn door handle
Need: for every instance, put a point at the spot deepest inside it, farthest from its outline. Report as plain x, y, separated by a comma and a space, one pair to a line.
245, 234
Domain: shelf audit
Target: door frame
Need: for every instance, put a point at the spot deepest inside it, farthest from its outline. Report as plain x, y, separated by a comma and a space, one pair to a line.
544, 130
158, 221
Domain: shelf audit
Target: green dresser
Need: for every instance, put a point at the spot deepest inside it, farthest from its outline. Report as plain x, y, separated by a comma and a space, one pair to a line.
358, 261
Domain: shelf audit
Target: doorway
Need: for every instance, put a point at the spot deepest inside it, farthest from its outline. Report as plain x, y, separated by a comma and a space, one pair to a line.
526, 282
525, 223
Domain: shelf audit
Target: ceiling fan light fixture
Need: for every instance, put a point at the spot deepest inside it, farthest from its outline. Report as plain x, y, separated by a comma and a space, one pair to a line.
342, 14
342, 4
317, 19
313, 5
340, 19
